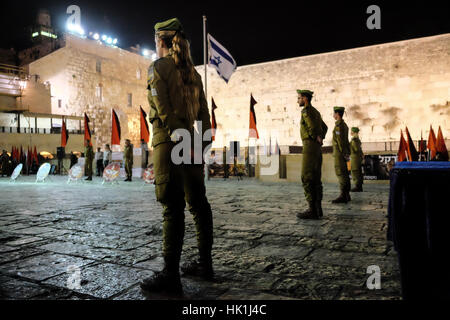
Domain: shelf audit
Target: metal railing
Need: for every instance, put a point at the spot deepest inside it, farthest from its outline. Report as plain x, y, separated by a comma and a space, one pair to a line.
38, 130
13, 70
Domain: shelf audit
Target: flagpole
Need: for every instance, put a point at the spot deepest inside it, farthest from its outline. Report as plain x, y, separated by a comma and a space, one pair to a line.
205, 53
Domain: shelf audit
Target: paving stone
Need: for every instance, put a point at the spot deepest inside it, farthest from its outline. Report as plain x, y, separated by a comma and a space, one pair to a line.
23, 240
104, 280
16, 289
260, 251
18, 254
42, 266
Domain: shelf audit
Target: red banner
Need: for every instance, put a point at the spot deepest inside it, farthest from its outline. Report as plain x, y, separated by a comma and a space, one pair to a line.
115, 135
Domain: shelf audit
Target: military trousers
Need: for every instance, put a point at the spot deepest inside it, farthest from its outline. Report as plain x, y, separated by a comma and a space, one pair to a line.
128, 168
357, 175
312, 171
88, 165
340, 166
176, 185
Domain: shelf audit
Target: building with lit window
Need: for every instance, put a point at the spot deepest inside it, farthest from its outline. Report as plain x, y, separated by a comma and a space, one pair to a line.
44, 37
88, 75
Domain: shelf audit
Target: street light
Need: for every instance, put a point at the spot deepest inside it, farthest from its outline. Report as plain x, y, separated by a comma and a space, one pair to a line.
96, 36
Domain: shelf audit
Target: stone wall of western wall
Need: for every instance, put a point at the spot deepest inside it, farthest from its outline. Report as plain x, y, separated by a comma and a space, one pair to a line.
383, 87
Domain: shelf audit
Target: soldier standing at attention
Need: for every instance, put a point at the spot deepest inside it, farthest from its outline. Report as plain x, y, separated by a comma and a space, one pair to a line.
312, 132
356, 158
177, 100
341, 154
225, 164
89, 157
5, 163
128, 154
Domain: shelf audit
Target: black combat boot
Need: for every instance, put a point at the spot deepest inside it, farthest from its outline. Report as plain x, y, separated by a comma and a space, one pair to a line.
202, 268
319, 208
341, 199
88, 179
163, 282
347, 195
310, 213
357, 189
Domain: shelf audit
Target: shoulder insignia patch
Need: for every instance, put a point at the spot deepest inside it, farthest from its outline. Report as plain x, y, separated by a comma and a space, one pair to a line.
151, 73
154, 93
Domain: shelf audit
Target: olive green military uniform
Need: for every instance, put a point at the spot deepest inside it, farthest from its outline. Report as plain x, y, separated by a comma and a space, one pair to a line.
356, 158
128, 153
5, 163
341, 151
176, 184
311, 127
225, 164
89, 157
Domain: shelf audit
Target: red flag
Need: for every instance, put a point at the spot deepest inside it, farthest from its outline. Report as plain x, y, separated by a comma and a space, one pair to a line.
21, 155
213, 120
410, 148
253, 131
115, 135
64, 134
145, 132
35, 156
422, 144
440, 146
29, 155
87, 131
401, 154
432, 144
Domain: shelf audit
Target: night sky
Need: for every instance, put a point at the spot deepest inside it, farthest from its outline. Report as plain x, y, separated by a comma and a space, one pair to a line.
253, 31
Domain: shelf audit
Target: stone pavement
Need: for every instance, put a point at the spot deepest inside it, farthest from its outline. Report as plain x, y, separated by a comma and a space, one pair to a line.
109, 237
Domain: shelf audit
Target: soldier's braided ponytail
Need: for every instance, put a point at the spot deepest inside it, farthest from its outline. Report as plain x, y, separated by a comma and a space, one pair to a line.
179, 48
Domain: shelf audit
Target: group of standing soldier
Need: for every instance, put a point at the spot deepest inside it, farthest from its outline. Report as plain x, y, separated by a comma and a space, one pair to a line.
312, 132
106, 159
177, 100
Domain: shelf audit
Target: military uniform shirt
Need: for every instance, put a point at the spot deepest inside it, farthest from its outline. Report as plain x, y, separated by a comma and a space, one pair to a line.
340, 139
311, 124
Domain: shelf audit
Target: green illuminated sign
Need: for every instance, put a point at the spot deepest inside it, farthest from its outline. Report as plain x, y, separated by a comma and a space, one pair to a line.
47, 34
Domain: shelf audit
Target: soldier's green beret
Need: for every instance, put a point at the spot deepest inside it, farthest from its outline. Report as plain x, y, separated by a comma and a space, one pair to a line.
355, 129
169, 25
305, 92
338, 109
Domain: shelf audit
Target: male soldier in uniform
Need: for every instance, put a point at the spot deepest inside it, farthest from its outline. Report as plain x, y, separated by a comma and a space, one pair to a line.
5, 163
128, 154
225, 164
356, 158
312, 132
89, 157
341, 154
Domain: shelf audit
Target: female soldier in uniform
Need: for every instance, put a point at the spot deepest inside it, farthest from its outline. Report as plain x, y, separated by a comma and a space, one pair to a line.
176, 100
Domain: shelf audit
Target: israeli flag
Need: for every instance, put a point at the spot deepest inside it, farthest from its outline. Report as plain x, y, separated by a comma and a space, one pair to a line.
221, 59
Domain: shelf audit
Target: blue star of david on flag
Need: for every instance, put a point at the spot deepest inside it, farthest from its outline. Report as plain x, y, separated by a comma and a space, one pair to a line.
220, 59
